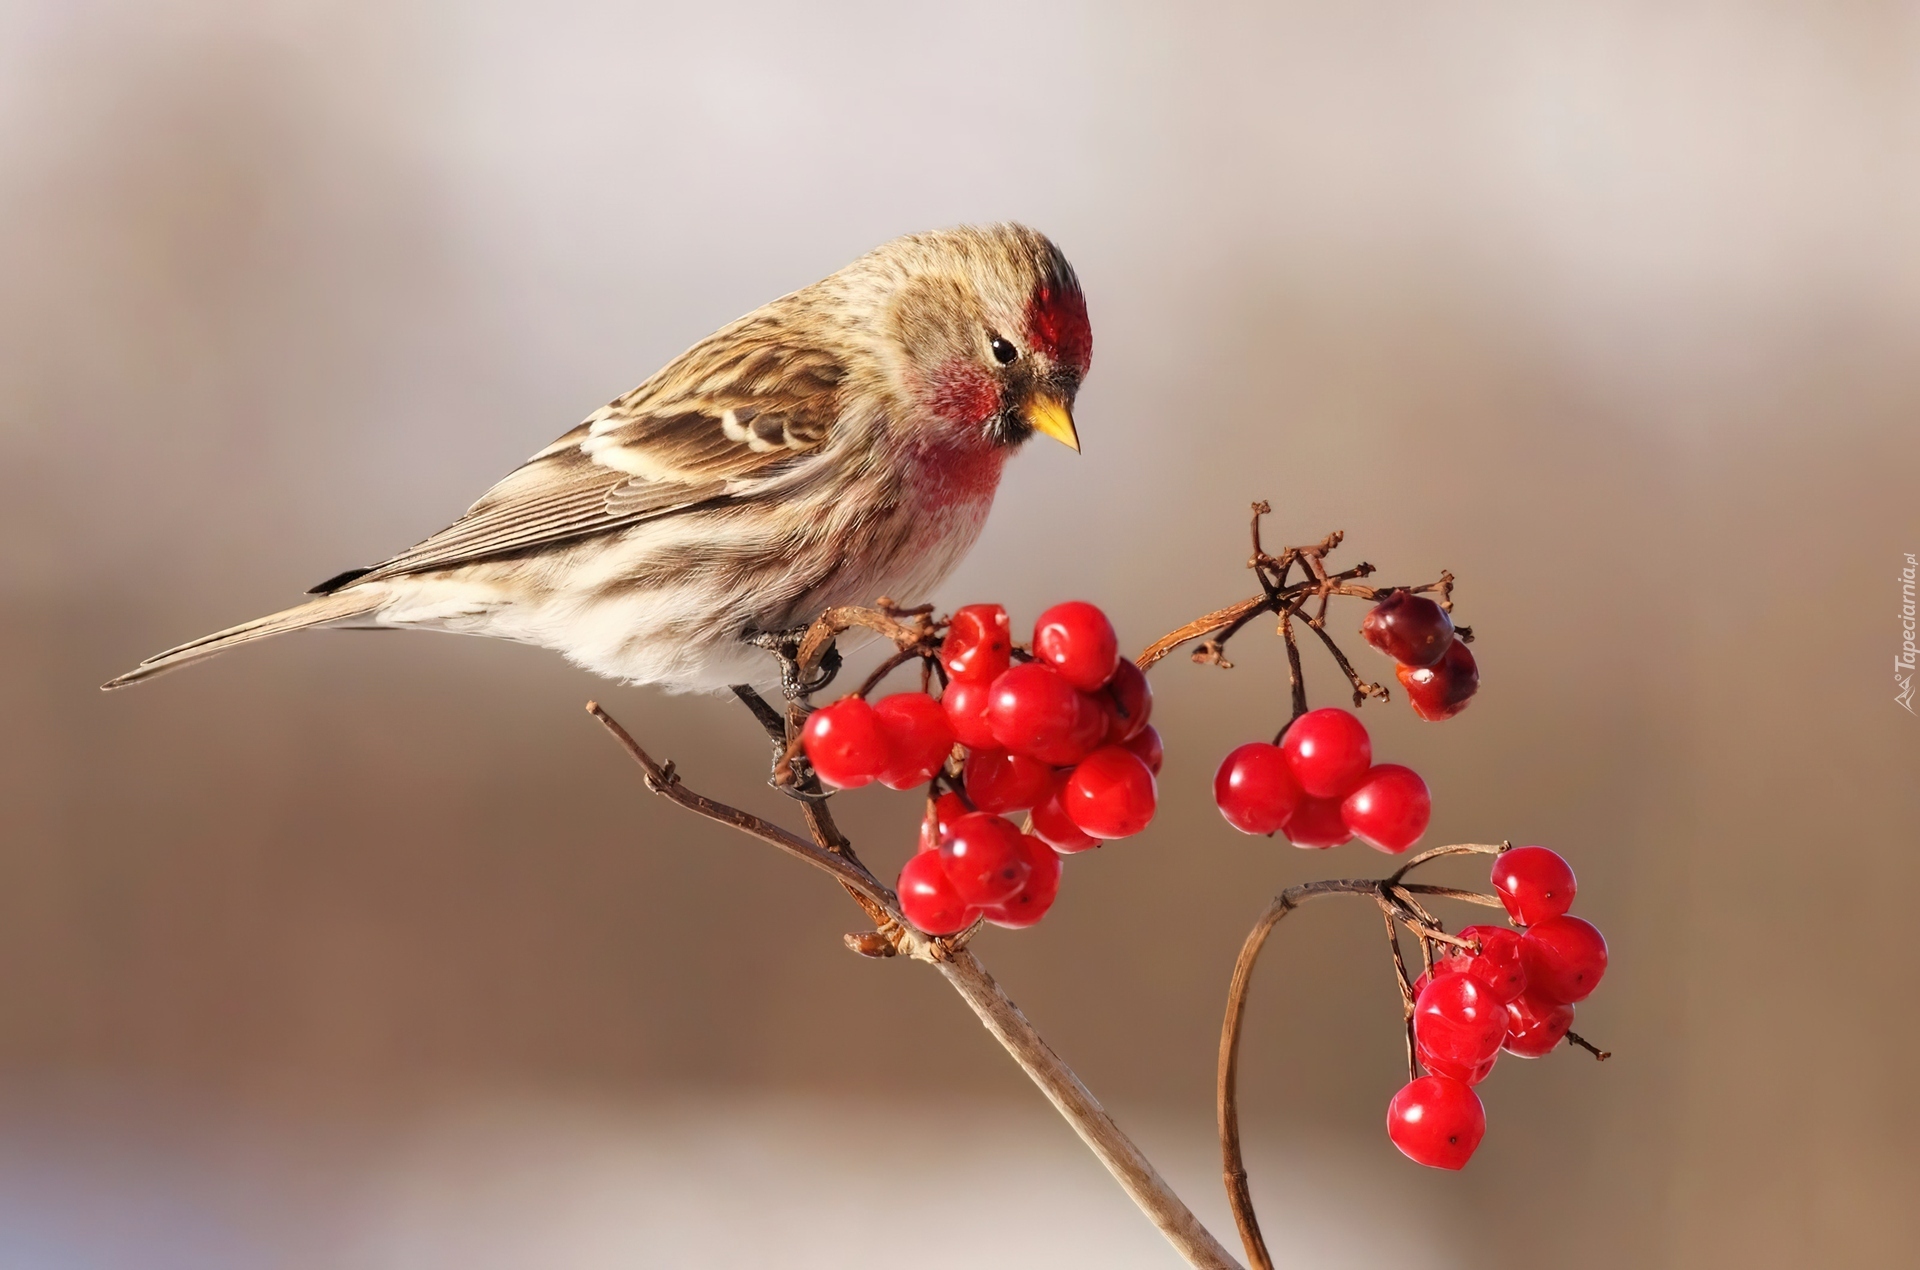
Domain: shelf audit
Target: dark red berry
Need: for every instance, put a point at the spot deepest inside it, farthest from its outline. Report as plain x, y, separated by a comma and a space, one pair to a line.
1465, 1073
985, 859
979, 642
1459, 1018
1088, 734
1317, 823
1437, 1121
1129, 701
1565, 958
846, 743
1033, 711
1077, 640
965, 701
1389, 809
1255, 788
1498, 963
1409, 628
1535, 1024
928, 898
1443, 689
1147, 748
998, 780
918, 737
1534, 883
939, 818
1329, 750
1053, 826
1032, 901
1111, 794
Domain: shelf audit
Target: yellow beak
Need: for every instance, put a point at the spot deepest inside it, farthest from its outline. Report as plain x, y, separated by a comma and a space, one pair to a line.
1047, 414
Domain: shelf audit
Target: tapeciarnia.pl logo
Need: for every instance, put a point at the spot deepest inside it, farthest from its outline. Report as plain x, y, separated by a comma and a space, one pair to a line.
1903, 662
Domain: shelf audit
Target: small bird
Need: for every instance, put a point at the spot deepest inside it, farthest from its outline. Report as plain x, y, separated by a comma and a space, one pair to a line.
839, 444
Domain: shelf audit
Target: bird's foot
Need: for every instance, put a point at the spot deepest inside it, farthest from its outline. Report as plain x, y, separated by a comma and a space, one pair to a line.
785, 646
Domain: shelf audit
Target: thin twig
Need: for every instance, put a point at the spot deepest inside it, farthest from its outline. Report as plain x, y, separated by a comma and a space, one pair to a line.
663, 781
1227, 1096
1599, 1054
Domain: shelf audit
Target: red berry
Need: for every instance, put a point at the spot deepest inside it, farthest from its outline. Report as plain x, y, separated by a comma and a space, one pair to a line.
1129, 701
1000, 781
1255, 789
918, 737
1534, 883
1032, 901
938, 822
979, 642
1329, 750
985, 859
1535, 1025
1077, 640
1409, 628
846, 743
1459, 1018
1033, 711
928, 898
965, 701
1498, 963
1055, 828
1111, 794
1147, 748
1465, 1073
1443, 689
1565, 958
1389, 809
1437, 1121
1317, 823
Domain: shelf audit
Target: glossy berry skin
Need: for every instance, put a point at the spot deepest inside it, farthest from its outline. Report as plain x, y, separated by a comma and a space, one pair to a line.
1000, 781
939, 819
1465, 1073
1033, 711
1409, 628
1147, 748
965, 701
1317, 824
979, 643
1077, 640
1329, 750
1534, 883
846, 743
1459, 1018
1129, 701
1111, 794
1437, 1121
1389, 809
986, 861
928, 899
1565, 958
1498, 964
1535, 1025
1032, 901
1255, 788
919, 738
1443, 689
1053, 826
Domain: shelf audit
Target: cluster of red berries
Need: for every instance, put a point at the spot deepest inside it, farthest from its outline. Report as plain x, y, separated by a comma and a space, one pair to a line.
1061, 733
1435, 668
1320, 787
1516, 993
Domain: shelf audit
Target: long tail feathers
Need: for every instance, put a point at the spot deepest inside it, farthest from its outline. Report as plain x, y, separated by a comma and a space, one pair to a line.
320, 612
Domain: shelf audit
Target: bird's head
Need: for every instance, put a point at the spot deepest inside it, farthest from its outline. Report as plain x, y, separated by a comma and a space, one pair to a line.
990, 329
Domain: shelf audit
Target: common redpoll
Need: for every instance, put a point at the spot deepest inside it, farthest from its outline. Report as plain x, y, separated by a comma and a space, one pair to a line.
839, 444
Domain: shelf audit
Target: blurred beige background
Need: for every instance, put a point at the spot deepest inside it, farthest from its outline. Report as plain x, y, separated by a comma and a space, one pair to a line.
355, 951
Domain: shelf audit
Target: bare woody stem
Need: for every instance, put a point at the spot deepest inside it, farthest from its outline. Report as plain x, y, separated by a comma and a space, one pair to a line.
957, 964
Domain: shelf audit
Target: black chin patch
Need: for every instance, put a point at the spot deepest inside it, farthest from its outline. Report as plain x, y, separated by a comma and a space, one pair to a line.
1009, 429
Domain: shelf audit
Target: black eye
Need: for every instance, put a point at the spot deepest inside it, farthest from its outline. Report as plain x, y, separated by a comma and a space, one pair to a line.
1003, 352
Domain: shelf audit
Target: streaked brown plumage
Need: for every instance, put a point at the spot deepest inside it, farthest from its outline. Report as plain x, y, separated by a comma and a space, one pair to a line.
840, 443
